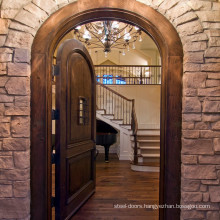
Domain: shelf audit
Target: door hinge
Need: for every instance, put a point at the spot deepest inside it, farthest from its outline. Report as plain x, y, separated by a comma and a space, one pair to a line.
53, 158
55, 70
52, 201
55, 114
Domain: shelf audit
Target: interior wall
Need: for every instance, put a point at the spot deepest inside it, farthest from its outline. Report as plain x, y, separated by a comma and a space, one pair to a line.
155, 58
147, 103
133, 57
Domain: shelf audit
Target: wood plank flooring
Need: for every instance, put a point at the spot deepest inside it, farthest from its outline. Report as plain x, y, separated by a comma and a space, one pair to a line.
117, 185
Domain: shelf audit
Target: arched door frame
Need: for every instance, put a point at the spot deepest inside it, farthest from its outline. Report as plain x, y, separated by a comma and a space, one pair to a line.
169, 44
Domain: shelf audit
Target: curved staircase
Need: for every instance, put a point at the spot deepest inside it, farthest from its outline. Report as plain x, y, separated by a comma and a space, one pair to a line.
143, 145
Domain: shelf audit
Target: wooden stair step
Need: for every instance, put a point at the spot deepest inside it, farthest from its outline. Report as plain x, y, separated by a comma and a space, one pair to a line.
149, 151
150, 148
150, 144
150, 155
146, 147
144, 135
148, 137
148, 132
149, 141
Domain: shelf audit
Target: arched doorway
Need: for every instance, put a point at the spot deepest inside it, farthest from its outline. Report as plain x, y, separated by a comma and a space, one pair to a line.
44, 44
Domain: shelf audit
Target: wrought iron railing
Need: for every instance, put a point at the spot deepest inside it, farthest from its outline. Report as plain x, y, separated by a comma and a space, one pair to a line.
114, 103
120, 107
128, 74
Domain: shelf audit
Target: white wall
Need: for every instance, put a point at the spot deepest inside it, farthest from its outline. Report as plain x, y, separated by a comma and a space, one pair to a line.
147, 103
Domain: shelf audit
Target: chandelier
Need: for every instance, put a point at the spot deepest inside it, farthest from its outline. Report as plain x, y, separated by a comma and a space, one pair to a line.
108, 35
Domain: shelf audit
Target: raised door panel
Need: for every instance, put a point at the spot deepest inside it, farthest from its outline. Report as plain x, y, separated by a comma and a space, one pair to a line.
80, 98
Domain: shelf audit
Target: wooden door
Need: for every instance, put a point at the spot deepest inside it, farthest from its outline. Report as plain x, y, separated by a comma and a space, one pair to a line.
75, 129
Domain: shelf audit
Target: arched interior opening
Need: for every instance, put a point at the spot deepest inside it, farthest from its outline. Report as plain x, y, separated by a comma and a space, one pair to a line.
44, 45
127, 68
132, 69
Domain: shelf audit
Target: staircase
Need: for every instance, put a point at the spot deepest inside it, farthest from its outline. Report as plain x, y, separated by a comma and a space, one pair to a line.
142, 145
148, 150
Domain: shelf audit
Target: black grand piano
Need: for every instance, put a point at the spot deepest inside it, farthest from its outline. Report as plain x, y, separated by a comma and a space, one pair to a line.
106, 135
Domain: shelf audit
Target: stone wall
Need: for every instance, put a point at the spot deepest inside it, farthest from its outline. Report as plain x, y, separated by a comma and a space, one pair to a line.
198, 25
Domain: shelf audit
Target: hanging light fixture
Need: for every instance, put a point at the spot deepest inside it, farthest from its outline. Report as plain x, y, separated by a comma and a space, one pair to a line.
107, 35
87, 35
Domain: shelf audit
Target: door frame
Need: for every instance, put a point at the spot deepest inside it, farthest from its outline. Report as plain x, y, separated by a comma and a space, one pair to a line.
45, 42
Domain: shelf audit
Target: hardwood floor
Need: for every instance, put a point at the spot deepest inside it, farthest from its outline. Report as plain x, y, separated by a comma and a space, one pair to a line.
118, 185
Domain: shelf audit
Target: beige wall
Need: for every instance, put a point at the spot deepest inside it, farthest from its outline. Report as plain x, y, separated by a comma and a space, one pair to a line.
147, 103
133, 57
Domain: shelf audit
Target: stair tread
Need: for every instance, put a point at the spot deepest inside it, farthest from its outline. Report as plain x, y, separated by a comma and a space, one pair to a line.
149, 147
150, 155
149, 129
148, 132
147, 141
147, 135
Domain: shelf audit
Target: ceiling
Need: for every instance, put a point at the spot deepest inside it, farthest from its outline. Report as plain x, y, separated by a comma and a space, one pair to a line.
145, 52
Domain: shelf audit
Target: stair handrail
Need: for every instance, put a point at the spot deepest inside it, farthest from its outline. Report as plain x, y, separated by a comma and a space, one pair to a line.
127, 65
113, 91
134, 127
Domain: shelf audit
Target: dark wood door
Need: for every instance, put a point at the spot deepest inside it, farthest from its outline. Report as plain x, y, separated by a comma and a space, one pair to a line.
75, 129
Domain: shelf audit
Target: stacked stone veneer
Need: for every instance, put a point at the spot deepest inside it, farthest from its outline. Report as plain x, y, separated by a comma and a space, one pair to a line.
198, 25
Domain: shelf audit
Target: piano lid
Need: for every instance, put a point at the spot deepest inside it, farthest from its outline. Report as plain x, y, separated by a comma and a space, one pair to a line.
102, 127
